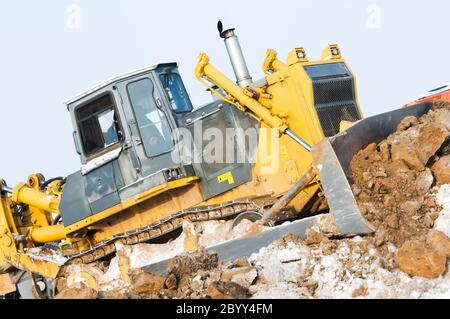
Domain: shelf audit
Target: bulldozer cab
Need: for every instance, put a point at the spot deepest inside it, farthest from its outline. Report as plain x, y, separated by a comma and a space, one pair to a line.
124, 135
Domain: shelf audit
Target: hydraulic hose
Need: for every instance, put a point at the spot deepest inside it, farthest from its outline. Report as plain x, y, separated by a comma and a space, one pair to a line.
49, 181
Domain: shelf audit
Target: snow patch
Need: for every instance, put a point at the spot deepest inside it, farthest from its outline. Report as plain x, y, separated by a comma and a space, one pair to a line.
442, 223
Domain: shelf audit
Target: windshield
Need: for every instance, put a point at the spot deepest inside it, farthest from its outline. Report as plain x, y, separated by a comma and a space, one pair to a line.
176, 92
153, 126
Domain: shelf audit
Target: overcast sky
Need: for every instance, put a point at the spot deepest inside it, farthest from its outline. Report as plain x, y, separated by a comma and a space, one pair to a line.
53, 50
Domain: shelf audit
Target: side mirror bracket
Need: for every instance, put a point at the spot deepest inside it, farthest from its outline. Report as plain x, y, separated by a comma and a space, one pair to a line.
75, 141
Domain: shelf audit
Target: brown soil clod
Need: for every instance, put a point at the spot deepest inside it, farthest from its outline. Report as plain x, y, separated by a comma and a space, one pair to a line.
314, 237
361, 291
171, 282
147, 283
441, 170
188, 264
227, 290
439, 242
406, 123
416, 259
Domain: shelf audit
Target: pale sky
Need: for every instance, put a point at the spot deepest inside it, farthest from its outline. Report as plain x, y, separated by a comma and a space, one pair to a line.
397, 50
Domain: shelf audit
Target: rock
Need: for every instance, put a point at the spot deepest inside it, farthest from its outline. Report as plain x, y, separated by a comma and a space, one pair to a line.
389, 201
132, 295
310, 284
196, 283
430, 140
111, 294
241, 262
171, 282
385, 150
60, 284
439, 242
415, 259
191, 237
168, 293
245, 279
380, 237
356, 190
329, 247
85, 274
313, 237
227, 274
441, 170
326, 224
428, 220
410, 207
380, 173
406, 123
290, 237
361, 291
406, 153
184, 284
124, 266
244, 276
188, 264
195, 295
147, 283
367, 176
77, 293
434, 215
392, 221
423, 182
213, 276
227, 290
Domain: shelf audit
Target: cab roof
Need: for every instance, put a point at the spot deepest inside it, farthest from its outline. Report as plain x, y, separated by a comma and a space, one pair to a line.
117, 79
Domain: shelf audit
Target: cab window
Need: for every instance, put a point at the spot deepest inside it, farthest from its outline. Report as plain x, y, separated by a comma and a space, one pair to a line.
98, 125
176, 92
152, 123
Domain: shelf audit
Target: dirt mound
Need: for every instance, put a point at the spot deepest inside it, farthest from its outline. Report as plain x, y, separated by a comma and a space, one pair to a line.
393, 182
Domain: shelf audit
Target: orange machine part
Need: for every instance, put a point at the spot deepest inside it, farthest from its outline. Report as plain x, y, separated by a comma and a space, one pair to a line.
6, 285
442, 96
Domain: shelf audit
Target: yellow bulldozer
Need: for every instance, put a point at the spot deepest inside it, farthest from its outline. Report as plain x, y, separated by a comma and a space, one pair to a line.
273, 149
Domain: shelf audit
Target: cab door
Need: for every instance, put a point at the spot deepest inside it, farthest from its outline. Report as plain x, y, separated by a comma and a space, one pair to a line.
150, 126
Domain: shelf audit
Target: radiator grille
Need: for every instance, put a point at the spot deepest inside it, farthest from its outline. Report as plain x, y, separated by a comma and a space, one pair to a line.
334, 96
331, 117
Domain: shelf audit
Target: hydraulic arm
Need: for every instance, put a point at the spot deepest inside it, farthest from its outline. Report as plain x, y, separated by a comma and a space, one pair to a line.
244, 97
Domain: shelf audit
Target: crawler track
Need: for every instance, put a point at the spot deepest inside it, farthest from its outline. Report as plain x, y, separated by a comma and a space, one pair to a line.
164, 227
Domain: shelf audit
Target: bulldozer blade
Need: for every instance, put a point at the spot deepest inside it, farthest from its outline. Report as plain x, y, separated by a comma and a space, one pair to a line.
332, 157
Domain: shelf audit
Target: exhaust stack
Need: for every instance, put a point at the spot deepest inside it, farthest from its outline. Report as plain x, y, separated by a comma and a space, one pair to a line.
243, 77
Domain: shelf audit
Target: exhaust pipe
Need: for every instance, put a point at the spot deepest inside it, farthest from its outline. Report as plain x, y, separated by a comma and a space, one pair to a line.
240, 69
4, 187
7, 189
